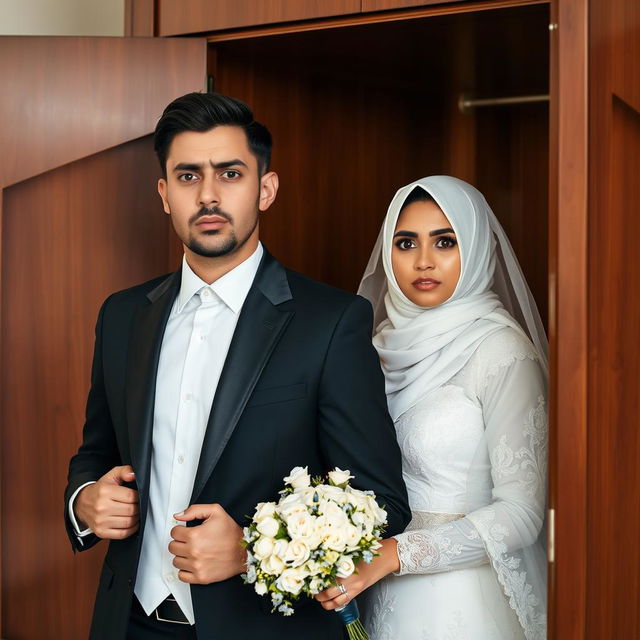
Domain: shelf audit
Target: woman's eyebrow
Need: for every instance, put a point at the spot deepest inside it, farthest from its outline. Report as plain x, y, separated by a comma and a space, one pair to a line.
406, 234
439, 232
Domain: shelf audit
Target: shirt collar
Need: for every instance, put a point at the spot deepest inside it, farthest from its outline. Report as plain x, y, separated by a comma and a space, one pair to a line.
232, 288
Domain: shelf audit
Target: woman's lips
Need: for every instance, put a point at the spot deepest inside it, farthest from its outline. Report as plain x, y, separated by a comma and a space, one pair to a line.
425, 284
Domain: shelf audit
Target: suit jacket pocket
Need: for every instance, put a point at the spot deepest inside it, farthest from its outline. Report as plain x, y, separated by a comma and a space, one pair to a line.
271, 395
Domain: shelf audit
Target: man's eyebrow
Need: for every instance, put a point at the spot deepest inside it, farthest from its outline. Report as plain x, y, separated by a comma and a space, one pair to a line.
197, 166
187, 166
406, 234
439, 232
228, 163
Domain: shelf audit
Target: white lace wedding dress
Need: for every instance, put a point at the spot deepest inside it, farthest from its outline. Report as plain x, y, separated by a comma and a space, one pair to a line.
474, 458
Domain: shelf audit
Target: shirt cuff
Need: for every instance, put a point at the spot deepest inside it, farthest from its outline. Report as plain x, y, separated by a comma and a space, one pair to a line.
72, 515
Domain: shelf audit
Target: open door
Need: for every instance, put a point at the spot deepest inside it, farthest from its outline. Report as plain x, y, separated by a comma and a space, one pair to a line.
595, 301
79, 218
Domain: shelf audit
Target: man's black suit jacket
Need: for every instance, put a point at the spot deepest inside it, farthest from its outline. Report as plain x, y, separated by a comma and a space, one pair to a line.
301, 386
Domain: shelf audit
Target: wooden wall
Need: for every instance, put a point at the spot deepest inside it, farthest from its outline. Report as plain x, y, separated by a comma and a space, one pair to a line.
613, 487
358, 112
79, 219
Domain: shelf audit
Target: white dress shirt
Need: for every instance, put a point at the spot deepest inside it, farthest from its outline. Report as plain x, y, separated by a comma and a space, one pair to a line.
194, 348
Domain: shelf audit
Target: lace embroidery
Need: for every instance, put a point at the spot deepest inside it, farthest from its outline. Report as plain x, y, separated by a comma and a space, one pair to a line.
426, 551
521, 597
378, 625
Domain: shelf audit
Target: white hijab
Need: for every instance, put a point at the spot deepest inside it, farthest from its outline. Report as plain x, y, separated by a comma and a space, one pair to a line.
421, 349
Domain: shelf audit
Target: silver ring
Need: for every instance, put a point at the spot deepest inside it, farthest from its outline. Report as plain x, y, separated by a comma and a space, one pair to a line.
342, 588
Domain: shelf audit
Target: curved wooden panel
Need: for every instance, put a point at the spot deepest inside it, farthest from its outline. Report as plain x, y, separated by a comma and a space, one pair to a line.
70, 237
67, 98
204, 15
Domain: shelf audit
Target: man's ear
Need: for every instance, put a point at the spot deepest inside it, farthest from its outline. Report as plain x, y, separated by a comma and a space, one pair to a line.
268, 190
162, 190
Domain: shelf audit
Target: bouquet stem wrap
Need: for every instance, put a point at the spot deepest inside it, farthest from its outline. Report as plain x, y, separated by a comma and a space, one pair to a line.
350, 615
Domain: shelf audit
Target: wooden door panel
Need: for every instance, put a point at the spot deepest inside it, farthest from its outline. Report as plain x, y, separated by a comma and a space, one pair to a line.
70, 237
79, 218
614, 409
382, 5
204, 15
613, 557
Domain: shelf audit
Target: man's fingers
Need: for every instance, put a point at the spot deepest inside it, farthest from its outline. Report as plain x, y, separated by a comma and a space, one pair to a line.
199, 512
118, 475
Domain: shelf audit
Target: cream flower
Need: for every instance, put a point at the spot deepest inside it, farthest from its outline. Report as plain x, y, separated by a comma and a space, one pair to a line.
345, 567
268, 527
291, 580
299, 477
339, 477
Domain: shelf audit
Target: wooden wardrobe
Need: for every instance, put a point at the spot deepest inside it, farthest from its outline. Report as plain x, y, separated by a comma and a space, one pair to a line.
362, 97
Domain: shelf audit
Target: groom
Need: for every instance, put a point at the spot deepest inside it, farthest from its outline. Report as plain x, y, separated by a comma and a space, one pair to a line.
208, 386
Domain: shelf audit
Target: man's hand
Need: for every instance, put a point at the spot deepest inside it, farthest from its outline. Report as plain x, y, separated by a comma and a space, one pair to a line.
109, 509
210, 552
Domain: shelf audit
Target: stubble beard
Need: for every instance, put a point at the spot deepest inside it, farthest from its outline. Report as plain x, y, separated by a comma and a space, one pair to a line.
229, 245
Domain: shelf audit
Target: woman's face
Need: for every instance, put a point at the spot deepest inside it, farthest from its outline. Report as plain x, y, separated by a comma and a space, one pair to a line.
425, 255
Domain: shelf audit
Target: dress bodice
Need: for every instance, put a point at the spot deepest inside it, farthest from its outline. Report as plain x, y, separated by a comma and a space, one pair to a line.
439, 439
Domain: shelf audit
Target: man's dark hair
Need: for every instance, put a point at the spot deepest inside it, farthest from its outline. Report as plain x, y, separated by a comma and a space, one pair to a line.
418, 194
204, 111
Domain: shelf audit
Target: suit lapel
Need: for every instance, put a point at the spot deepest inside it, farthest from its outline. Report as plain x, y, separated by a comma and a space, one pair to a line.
147, 332
260, 326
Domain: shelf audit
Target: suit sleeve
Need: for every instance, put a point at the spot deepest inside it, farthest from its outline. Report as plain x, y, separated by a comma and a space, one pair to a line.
356, 431
98, 452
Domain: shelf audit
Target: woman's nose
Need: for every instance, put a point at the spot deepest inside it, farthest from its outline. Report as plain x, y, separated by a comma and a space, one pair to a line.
424, 261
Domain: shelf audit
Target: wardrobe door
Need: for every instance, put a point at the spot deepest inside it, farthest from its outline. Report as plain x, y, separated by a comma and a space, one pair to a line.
595, 270
79, 219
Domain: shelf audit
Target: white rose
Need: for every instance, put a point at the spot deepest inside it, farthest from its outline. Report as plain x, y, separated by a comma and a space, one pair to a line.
273, 565
268, 527
297, 553
291, 580
264, 510
316, 585
261, 588
263, 547
302, 526
345, 567
293, 503
299, 477
379, 514
339, 477
329, 492
353, 535
312, 567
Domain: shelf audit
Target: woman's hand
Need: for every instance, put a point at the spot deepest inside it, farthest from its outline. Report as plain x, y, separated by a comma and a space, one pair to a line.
366, 575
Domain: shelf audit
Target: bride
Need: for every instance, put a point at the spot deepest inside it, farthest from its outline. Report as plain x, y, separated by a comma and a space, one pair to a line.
464, 355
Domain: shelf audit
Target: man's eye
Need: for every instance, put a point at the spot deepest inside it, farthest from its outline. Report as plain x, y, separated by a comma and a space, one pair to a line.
231, 174
186, 177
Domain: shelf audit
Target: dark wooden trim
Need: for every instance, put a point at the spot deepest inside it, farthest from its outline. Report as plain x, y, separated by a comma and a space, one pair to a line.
371, 18
568, 317
140, 18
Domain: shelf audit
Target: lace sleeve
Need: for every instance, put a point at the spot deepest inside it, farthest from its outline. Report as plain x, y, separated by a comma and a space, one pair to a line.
514, 410
439, 547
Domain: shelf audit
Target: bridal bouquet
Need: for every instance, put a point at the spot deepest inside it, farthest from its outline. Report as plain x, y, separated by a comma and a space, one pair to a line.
317, 532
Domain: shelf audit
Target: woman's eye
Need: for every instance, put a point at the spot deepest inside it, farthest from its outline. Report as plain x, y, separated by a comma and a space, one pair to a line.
404, 243
446, 242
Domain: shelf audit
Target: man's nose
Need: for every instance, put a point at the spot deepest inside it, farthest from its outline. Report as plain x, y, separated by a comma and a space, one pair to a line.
208, 194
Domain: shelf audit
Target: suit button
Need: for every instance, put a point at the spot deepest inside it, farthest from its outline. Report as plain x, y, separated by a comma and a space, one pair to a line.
130, 582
